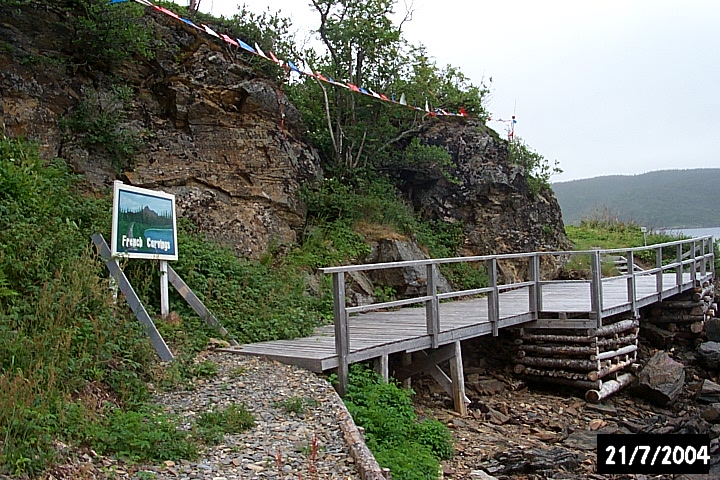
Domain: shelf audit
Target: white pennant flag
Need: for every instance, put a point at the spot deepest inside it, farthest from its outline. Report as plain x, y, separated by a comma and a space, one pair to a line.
210, 31
260, 52
402, 99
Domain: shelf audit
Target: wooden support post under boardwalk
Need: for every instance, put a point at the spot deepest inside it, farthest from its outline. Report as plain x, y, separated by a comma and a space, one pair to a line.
427, 361
381, 367
132, 299
457, 375
342, 337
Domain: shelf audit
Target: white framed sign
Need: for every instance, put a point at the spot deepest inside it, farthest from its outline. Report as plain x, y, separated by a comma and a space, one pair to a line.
144, 224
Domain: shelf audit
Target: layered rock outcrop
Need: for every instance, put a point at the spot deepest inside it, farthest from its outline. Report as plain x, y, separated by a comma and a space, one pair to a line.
485, 192
222, 138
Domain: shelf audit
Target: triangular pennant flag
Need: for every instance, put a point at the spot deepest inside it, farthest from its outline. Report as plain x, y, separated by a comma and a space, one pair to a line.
363, 91
463, 113
275, 59
402, 99
210, 31
260, 52
116, 1
320, 77
374, 94
189, 22
427, 109
384, 97
293, 67
144, 2
352, 87
245, 46
229, 40
166, 11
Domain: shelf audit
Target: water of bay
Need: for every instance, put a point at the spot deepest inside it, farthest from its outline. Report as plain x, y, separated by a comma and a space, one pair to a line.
698, 232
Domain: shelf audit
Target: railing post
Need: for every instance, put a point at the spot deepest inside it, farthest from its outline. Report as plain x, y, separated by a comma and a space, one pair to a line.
494, 297
535, 290
432, 306
679, 269
659, 274
703, 265
596, 287
342, 337
632, 292
693, 270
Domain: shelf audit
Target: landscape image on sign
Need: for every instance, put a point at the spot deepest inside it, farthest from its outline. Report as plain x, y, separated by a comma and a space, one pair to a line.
145, 224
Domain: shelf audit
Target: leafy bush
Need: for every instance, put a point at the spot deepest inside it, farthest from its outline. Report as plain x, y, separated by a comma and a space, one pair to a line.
410, 450
145, 435
106, 34
538, 168
59, 328
211, 426
100, 122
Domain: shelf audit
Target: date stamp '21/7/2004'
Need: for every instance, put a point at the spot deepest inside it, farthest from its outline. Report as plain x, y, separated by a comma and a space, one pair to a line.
653, 454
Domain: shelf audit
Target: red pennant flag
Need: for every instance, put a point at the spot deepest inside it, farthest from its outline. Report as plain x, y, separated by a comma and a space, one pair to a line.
229, 40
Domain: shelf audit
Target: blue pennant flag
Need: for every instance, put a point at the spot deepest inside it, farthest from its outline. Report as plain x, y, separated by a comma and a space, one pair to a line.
246, 46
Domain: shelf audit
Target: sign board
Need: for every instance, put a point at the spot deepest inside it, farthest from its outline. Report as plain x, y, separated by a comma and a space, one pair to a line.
144, 224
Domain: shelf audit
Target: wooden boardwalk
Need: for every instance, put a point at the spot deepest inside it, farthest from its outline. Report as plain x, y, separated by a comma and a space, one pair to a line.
375, 331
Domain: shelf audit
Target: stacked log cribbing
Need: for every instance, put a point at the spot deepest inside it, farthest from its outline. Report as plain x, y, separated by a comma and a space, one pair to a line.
592, 360
682, 317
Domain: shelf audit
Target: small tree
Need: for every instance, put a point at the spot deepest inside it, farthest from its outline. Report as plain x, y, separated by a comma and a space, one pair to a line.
538, 168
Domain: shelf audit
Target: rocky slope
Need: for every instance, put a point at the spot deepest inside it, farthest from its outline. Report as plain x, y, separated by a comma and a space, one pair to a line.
209, 128
226, 141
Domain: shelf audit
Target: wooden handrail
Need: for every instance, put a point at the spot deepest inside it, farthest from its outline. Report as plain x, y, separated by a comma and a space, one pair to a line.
702, 255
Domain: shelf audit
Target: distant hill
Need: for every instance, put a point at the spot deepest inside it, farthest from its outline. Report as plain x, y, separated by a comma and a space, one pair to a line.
666, 198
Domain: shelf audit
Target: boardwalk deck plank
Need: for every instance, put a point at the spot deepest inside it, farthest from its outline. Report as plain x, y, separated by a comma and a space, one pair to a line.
376, 333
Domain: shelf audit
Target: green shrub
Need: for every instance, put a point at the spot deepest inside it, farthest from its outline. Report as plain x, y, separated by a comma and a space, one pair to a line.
211, 426
99, 120
144, 435
59, 328
411, 450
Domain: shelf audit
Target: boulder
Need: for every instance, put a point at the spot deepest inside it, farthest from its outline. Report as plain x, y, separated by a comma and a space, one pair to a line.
709, 353
407, 281
662, 379
712, 329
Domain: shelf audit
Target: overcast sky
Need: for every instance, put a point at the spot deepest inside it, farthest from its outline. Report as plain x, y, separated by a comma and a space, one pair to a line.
606, 87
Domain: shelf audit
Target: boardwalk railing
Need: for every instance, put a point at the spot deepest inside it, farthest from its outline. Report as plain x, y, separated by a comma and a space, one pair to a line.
690, 261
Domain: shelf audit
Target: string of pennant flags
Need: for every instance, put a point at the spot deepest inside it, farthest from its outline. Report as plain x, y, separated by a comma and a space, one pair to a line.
290, 66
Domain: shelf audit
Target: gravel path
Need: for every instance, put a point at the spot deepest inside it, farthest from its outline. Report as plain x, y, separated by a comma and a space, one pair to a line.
281, 444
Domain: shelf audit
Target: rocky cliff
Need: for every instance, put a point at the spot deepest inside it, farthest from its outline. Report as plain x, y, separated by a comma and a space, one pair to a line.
225, 140
484, 191
207, 127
